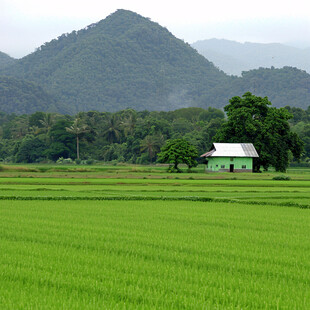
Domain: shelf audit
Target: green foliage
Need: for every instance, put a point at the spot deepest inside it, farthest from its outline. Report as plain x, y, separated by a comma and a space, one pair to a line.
281, 178
7, 150
178, 151
299, 115
284, 87
62, 142
114, 151
112, 128
125, 136
302, 129
5, 60
151, 144
64, 161
32, 149
36, 119
251, 120
77, 129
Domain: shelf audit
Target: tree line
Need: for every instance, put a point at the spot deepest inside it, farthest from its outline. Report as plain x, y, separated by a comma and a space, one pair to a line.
138, 136
124, 136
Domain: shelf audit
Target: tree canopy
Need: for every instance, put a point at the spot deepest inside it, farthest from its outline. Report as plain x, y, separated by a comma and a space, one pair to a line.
178, 151
250, 119
137, 135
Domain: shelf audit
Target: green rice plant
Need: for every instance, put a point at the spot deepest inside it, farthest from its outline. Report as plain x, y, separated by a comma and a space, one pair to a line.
135, 241
153, 255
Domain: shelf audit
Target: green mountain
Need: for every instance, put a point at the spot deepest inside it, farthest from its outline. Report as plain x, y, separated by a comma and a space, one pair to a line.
128, 61
123, 61
20, 96
5, 60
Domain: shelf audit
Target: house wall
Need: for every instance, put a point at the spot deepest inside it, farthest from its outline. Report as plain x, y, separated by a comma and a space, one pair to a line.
222, 164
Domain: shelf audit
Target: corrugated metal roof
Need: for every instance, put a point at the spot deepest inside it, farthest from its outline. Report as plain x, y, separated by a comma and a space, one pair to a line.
208, 154
232, 150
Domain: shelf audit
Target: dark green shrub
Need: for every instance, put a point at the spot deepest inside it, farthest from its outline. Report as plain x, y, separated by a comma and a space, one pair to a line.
281, 178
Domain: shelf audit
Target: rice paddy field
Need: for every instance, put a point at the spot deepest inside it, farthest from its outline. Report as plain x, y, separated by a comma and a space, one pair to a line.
134, 237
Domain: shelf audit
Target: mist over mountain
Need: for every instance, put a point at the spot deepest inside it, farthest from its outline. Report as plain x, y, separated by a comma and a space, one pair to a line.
299, 44
128, 61
234, 57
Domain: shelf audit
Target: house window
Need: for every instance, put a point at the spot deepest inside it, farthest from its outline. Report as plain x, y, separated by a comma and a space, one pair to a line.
231, 159
223, 166
243, 166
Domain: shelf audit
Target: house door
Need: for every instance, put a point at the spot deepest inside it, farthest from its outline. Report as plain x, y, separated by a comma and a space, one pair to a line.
231, 168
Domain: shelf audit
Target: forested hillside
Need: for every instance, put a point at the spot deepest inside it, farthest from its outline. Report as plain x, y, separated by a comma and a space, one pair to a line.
20, 96
5, 60
234, 57
286, 86
123, 61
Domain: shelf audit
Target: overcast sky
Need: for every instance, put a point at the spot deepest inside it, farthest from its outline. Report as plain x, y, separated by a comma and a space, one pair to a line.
27, 24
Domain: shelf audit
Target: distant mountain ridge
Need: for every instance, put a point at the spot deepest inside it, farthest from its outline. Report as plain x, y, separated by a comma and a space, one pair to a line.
234, 57
128, 61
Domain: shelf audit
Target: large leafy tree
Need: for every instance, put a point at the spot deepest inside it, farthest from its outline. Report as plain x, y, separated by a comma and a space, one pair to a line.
252, 120
62, 142
178, 151
31, 150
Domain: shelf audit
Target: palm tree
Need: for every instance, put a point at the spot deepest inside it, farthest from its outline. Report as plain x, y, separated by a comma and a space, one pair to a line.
151, 144
129, 123
112, 129
77, 129
47, 122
